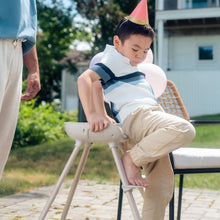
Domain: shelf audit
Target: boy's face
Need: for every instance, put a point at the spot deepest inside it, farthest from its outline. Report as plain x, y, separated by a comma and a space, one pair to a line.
135, 48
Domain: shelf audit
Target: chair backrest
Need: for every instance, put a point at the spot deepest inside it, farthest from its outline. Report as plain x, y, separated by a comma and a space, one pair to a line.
172, 102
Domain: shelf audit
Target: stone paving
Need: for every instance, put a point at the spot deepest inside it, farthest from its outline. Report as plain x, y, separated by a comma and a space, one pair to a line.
93, 201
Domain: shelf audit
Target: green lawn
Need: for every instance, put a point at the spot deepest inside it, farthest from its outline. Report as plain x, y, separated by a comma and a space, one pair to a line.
207, 135
41, 165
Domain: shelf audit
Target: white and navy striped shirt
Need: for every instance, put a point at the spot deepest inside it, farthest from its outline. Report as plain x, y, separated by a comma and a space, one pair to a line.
125, 88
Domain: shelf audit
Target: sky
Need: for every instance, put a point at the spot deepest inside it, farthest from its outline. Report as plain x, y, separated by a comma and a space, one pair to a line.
79, 45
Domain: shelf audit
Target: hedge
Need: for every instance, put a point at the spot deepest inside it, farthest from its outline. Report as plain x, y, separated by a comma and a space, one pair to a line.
40, 124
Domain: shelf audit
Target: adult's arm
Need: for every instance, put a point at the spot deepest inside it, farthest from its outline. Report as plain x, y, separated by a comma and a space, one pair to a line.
33, 80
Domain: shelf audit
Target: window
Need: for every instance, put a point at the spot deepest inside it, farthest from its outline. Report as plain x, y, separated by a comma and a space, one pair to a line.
200, 3
205, 52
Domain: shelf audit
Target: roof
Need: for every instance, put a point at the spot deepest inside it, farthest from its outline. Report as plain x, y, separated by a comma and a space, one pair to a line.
76, 57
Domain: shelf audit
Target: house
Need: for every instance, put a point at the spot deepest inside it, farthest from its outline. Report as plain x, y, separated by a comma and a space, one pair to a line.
69, 94
187, 48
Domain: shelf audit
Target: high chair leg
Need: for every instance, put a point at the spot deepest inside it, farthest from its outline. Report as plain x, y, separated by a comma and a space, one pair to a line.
76, 180
66, 169
127, 188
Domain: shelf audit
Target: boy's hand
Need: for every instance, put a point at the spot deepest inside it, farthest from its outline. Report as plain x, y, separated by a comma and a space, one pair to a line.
111, 120
98, 123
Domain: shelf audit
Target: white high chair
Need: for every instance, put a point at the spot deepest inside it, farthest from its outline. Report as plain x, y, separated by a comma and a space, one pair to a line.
80, 132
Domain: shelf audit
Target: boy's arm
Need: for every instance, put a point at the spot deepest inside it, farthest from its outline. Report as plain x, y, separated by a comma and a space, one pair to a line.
98, 99
96, 120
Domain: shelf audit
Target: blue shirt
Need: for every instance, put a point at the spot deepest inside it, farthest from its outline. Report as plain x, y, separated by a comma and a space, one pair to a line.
18, 19
125, 87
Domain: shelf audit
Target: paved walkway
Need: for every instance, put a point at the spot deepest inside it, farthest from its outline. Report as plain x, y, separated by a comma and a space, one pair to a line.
94, 201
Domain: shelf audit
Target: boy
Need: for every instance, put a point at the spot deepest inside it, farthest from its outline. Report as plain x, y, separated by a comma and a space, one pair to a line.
152, 133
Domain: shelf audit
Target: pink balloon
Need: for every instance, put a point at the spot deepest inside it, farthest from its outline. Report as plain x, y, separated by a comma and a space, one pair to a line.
96, 59
155, 76
149, 58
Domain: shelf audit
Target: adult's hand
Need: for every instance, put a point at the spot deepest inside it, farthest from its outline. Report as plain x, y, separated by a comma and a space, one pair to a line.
33, 80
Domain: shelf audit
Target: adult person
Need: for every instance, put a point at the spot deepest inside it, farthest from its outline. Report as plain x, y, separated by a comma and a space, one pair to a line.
18, 26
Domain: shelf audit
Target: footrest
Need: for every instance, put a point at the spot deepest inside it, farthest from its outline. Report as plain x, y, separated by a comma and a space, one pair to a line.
130, 187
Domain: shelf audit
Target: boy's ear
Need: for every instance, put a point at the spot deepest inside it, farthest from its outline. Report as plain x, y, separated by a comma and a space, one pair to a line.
116, 41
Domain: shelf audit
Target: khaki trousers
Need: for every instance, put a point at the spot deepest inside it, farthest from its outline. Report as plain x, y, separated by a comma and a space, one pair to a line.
11, 64
153, 134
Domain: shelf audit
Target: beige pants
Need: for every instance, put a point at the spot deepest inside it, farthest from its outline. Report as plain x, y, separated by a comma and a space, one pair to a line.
153, 134
11, 64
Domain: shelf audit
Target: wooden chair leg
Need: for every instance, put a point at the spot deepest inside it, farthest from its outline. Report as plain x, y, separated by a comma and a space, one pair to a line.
120, 200
76, 180
65, 171
126, 187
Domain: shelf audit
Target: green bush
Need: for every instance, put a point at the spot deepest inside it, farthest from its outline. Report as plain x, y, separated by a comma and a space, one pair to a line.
40, 124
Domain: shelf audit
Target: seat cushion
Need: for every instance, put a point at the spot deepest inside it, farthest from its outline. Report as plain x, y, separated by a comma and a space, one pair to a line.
195, 158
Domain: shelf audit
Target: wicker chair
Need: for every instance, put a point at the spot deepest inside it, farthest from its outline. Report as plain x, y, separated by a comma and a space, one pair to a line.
172, 103
183, 160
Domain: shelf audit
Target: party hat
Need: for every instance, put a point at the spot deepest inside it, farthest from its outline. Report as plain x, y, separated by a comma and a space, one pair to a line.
140, 14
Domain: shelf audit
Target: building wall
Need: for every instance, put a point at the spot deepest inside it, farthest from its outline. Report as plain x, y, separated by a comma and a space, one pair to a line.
183, 53
197, 80
69, 93
199, 90
181, 28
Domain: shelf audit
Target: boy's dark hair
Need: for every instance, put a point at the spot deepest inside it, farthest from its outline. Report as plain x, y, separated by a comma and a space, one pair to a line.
126, 28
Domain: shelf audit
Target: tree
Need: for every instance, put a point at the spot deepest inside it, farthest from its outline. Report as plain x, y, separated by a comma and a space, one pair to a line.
55, 35
104, 15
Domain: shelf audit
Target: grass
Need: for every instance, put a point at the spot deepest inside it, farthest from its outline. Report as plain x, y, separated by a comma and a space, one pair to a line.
41, 165
207, 135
